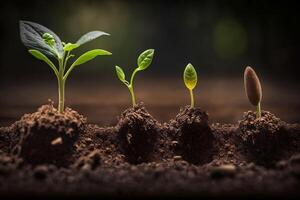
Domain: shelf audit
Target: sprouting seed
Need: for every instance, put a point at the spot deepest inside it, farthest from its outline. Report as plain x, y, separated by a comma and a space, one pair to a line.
190, 80
253, 89
44, 44
143, 62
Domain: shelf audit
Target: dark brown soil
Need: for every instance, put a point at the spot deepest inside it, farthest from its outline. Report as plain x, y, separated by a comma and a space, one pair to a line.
143, 158
46, 136
193, 138
264, 137
137, 134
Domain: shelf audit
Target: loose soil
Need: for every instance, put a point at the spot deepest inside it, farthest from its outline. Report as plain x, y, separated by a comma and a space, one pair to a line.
50, 153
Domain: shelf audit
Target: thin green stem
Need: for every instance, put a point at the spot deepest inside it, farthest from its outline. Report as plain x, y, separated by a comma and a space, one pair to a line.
130, 87
66, 60
61, 87
258, 111
192, 98
132, 75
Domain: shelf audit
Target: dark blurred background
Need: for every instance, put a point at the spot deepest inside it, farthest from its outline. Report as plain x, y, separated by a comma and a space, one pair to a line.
218, 37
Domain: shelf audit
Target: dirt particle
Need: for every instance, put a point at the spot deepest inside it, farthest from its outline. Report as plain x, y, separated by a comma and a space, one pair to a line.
91, 161
57, 141
176, 158
40, 172
223, 171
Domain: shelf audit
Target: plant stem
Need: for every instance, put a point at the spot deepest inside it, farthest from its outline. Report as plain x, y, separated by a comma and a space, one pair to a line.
192, 98
61, 87
258, 111
61, 95
130, 87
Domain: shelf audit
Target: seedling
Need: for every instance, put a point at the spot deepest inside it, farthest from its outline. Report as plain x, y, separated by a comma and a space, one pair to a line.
190, 81
143, 62
44, 44
253, 89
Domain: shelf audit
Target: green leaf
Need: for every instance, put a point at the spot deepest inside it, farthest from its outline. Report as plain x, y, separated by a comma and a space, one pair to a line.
37, 54
89, 56
190, 77
120, 73
145, 59
85, 58
90, 36
32, 37
70, 46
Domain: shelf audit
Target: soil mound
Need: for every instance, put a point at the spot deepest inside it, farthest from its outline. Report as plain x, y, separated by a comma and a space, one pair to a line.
137, 133
47, 136
195, 138
263, 136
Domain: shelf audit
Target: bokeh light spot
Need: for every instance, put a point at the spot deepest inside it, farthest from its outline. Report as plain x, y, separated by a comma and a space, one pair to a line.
229, 38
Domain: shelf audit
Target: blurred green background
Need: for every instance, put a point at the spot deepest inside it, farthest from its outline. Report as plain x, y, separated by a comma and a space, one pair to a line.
218, 37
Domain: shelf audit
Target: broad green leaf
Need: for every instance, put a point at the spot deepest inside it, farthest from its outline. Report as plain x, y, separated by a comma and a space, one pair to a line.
190, 77
32, 37
90, 36
89, 56
70, 46
145, 59
85, 58
37, 54
120, 73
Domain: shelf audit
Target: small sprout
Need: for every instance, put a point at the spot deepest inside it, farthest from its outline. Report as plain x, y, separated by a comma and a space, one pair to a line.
49, 39
44, 43
190, 80
143, 62
253, 89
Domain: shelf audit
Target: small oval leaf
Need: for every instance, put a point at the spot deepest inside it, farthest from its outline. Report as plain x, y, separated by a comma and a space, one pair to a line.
120, 73
70, 46
90, 55
37, 54
145, 59
190, 77
90, 36
252, 86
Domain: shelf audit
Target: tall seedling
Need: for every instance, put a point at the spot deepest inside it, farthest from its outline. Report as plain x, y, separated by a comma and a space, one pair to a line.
143, 62
44, 45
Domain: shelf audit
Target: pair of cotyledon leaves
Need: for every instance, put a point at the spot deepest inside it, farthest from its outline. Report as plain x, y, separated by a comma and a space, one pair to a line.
32, 37
143, 62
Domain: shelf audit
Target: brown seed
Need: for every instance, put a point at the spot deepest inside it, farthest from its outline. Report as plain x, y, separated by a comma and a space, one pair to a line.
252, 86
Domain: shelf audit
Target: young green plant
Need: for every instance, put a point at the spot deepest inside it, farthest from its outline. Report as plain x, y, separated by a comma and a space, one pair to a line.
190, 81
253, 89
143, 62
44, 44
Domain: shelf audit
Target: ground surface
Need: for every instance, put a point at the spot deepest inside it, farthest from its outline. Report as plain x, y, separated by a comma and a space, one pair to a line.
100, 163
185, 155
